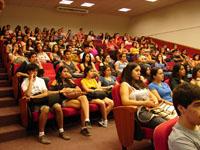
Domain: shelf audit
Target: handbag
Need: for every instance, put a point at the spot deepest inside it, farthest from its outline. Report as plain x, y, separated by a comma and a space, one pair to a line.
164, 110
97, 94
144, 115
73, 94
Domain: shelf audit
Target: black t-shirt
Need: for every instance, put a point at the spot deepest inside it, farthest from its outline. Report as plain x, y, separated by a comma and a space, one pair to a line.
59, 86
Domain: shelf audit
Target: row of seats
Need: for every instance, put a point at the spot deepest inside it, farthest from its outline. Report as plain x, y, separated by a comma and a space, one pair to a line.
124, 120
125, 128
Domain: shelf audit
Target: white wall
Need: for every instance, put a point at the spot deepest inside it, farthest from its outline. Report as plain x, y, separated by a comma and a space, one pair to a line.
179, 23
44, 17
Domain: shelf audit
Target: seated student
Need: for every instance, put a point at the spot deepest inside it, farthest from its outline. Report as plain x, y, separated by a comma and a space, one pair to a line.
93, 49
87, 48
121, 63
107, 61
196, 75
72, 67
159, 88
96, 95
178, 75
32, 58
107, 80
17, 55
36, 92
41, 55
100, 57
145, 73
160, 62
195, 60
112, 48
176, 57
55, 55
185, 134
21, 72
87, 62
63, 81
133, 92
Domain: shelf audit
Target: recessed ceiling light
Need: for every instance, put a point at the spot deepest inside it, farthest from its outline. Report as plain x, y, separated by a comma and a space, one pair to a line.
87, 4
124, 9
151, 0
66, 2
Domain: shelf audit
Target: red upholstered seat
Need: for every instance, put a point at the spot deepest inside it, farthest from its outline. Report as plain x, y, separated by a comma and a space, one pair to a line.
170, 65
119, 78
67, 112
77, 81
161, 133
116, 95
35, 116
49, 70
94, 107
15, 67
15, 82
97, 65
124, 120
167, 81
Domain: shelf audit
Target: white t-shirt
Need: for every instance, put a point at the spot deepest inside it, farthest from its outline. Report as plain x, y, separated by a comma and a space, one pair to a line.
38, 85
121, 65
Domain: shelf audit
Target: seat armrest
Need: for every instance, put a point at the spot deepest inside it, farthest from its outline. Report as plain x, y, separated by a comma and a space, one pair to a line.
124, 120
24, 111
15, 85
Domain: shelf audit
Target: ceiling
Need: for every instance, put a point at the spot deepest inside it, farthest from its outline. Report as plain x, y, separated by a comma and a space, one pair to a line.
101, 6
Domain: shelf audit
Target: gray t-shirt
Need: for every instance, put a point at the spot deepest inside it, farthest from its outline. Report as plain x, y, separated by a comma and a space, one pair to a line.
183, 139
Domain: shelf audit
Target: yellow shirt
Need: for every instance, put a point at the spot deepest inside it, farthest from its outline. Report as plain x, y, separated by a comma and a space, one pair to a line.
90, 83
134, 50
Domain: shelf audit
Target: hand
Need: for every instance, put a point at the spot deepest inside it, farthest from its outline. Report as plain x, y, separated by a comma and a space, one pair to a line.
78, 89
149, 104
37, 60
156, 102
31, 76
99, 89
182, 81
111, 86
65, 90
27, 98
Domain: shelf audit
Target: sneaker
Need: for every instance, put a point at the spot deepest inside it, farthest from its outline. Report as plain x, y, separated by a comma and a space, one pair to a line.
88, 124
64, 136
103, 124
44, 140
85, 132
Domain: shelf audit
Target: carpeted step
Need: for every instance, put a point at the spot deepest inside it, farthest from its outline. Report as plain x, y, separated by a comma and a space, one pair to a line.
4, 83
12, 132
9, 115
3, 76
7, 101
2, 70
6, 91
